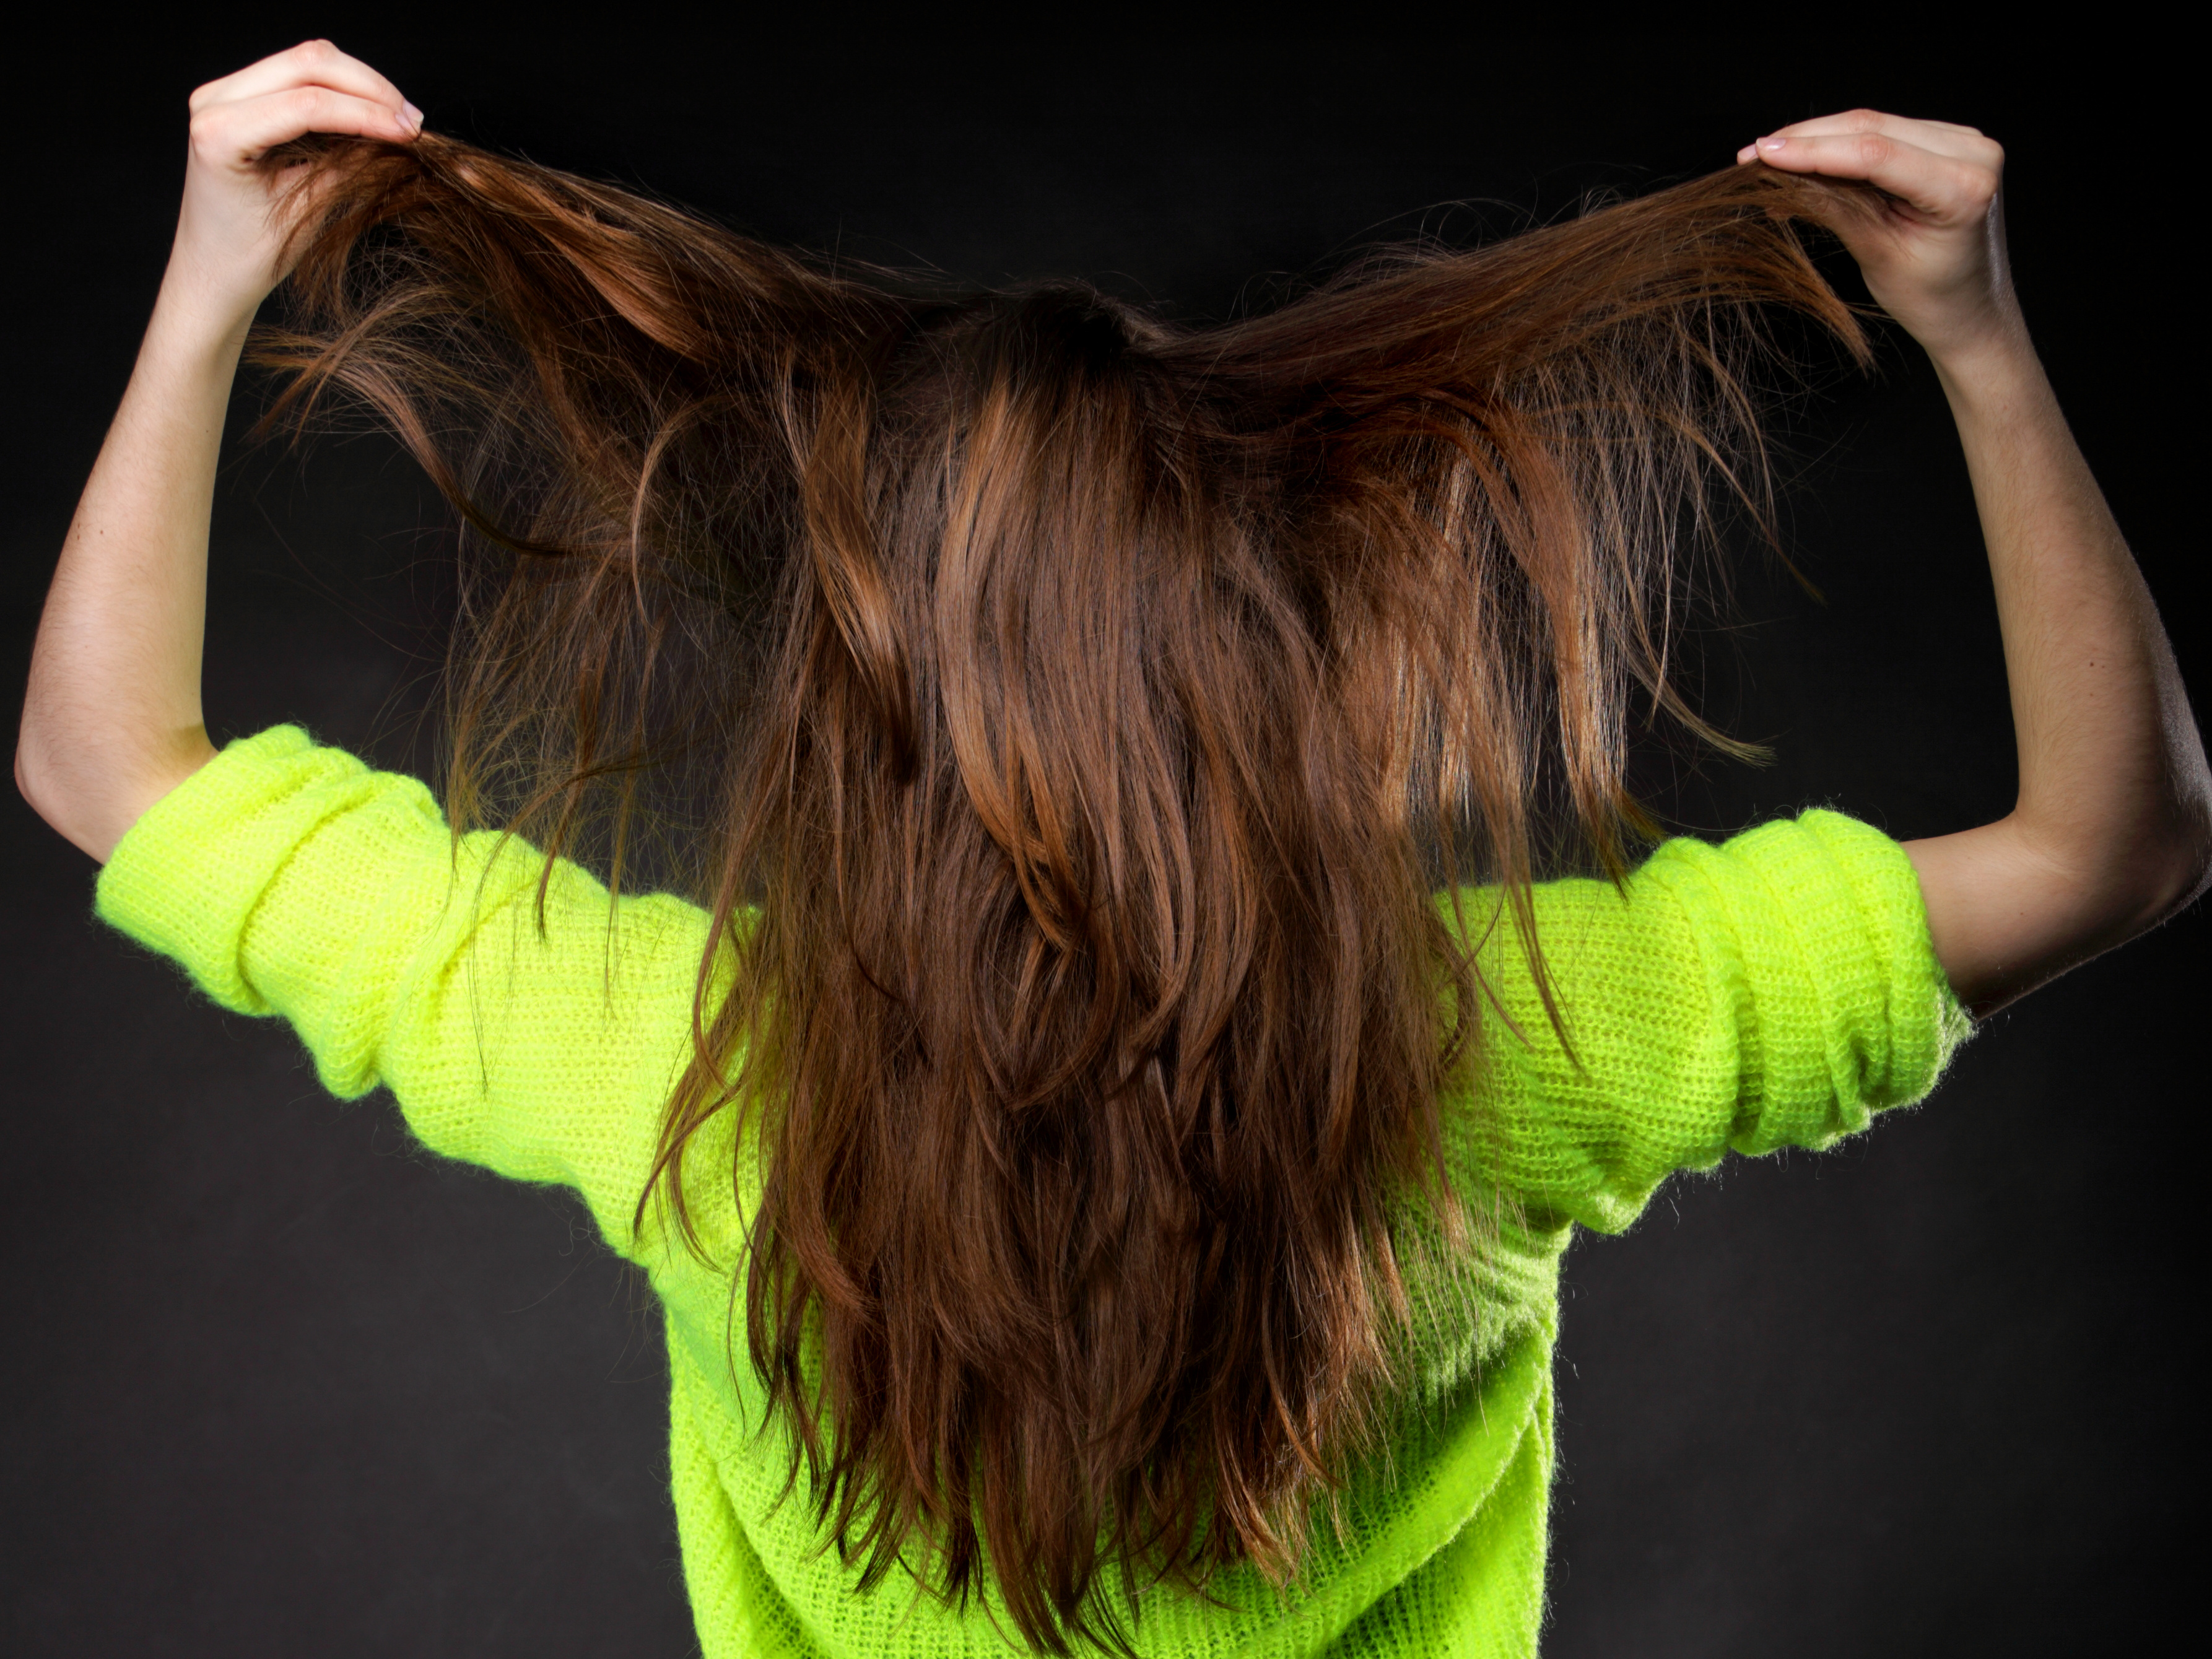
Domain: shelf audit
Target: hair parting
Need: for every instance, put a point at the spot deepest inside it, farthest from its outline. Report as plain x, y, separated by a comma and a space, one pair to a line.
1103, 747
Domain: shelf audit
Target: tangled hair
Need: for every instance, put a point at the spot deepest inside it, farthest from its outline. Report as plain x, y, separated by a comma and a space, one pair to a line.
1080, 716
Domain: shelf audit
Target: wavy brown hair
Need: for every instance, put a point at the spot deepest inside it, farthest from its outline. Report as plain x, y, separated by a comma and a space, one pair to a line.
1070, 720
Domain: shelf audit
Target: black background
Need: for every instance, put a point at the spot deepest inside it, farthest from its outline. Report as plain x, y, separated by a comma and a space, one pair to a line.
275, 1383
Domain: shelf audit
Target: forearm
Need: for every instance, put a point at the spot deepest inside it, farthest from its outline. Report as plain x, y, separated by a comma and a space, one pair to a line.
112, 718
2112, 778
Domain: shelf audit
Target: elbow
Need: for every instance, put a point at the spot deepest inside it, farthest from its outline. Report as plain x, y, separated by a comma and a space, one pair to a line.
2190, 871
34, 782
2127, 880
29, 782
92, 802
2188, 868
2161, 891
2167, 868
58, 793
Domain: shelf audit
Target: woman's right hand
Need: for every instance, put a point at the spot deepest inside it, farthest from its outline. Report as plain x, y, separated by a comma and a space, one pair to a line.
231, 231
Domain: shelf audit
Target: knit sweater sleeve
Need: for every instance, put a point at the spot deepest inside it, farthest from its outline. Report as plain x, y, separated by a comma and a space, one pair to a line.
1776, 990
289, 878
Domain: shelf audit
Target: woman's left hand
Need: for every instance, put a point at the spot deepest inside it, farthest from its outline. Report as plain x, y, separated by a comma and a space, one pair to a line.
1934, 256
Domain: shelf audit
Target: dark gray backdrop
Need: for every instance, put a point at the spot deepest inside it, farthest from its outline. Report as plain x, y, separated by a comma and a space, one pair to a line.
275, 1383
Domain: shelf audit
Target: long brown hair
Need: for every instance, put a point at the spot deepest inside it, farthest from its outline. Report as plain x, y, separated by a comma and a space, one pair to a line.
1078, 719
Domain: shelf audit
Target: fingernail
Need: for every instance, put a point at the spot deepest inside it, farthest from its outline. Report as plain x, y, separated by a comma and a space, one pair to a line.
1746, 152
412, 116
1772, 143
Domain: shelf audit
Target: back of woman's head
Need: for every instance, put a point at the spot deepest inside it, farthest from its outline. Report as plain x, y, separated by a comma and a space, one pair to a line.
1078, 718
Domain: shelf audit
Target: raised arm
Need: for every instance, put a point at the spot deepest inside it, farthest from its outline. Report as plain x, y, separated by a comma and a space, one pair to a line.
2112, 830
112, 717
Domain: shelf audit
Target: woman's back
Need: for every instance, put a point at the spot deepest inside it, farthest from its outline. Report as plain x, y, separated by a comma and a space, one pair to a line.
1774, 992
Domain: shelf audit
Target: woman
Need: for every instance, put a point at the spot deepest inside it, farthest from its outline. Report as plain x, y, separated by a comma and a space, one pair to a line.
1141, 1202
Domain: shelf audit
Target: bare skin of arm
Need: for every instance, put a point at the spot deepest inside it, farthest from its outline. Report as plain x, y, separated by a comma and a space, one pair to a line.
112, 718
2112, 829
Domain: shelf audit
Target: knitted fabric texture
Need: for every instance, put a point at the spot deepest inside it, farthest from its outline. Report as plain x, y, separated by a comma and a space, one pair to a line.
1773, 991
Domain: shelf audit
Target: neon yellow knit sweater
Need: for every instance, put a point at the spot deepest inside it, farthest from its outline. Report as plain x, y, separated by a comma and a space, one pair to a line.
1773, 991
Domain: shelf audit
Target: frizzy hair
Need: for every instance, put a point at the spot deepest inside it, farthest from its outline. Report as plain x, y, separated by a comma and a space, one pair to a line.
1082, 716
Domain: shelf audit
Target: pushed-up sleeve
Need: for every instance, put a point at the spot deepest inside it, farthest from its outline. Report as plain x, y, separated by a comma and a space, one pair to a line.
289, 878
1776, 990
